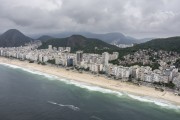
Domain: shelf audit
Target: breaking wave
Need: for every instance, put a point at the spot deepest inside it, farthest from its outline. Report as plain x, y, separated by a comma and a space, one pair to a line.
159, 102
68, 106
67, 81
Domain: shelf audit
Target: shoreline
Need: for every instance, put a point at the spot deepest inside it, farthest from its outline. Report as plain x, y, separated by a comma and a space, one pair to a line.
100, 81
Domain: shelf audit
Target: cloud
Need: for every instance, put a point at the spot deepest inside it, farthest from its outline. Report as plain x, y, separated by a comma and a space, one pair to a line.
139, 18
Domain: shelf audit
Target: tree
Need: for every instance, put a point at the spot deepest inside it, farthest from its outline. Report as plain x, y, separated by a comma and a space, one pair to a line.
51, 61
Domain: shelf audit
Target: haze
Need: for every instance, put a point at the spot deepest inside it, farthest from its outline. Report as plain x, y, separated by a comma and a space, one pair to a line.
137, 18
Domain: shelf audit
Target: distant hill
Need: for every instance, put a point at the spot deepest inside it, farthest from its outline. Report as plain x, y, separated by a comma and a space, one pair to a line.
110, 38
78, 42
13, 38
168, 44
145, 40
45, 38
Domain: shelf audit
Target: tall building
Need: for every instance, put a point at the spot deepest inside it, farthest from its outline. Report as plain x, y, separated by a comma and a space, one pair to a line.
60, 48
79, 56
54, 48
68, 49
49, 47
105, 57
69, 62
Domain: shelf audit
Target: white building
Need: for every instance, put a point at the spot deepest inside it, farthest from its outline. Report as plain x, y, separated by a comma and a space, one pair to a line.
105, 57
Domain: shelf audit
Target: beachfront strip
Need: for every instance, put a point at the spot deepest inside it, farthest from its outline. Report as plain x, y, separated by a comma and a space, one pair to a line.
95, 63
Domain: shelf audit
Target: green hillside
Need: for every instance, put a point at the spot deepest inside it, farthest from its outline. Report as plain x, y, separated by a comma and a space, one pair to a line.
13, 38
78, 42
167, 44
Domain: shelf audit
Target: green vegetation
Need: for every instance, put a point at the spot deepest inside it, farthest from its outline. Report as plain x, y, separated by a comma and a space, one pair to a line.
45, 38
78, 42
102, 72
177, 63
115, 62
167, 44
88, 45
130, 78
43, 63
170, 85
51, 61
82, 69
137, 63
155, 66
169, 63
31, 61
13, 38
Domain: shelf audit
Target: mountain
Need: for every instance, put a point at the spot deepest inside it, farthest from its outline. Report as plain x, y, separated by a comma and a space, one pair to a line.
143, 40
168, 44
45, 38
78, 42
110, 38
13, 38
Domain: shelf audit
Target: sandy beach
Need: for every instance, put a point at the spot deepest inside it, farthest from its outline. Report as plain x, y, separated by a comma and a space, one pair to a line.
95, 80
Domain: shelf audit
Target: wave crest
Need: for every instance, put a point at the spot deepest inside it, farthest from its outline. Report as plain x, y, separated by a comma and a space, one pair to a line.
159, 102
68, 106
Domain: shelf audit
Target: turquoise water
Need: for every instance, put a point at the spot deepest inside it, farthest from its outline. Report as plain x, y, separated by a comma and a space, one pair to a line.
31, 95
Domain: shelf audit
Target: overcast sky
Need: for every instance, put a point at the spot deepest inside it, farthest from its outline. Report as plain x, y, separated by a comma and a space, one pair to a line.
137, 18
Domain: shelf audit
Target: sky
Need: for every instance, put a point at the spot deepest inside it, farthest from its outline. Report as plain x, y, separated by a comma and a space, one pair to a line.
137, 18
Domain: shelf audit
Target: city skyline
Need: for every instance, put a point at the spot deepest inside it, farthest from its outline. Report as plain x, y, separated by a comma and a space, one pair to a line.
89, 59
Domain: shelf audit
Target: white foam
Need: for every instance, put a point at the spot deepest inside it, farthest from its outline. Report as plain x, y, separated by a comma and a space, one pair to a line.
92, 87
52, 102
69, 106
67, 81
158, 102
30, 71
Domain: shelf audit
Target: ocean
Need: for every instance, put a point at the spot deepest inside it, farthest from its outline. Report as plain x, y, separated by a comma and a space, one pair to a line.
32, 95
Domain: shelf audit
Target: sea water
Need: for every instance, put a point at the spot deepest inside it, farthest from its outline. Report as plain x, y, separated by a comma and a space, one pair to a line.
32, 95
